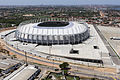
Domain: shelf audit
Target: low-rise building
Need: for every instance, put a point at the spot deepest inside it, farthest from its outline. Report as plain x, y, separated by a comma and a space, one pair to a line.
25, 73
9, 65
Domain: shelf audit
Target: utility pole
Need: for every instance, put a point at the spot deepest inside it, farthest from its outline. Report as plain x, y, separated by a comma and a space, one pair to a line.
26, 59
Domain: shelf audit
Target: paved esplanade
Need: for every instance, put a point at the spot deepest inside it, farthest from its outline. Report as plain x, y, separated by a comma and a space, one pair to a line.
113, 54
107, 77
86, 49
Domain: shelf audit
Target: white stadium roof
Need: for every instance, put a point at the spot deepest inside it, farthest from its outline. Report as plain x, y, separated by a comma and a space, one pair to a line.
72, 28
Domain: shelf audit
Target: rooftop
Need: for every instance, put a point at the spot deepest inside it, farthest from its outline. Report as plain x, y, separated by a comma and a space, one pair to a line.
24, 74
72, 28
7, 63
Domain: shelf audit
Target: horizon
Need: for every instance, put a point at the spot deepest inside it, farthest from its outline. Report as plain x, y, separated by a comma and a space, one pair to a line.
57, 2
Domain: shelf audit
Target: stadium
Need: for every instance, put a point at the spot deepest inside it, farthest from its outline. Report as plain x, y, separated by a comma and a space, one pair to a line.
52, 32
58, 39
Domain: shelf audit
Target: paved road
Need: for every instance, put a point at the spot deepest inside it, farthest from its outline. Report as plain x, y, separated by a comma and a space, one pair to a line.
98, 75
79, 68
113, 55
79, 73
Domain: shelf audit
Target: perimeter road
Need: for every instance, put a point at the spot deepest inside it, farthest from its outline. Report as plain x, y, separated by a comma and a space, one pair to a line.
107, 77
98, 75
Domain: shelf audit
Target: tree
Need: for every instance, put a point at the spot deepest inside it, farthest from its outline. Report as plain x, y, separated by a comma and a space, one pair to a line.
14, 56
64, 67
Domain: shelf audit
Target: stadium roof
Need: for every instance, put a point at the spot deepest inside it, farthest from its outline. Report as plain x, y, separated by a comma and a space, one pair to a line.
71, 28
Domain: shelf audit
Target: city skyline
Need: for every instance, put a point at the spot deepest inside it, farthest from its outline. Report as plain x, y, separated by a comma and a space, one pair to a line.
60, 2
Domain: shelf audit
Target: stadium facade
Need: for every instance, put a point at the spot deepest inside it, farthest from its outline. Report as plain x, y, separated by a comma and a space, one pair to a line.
53, 32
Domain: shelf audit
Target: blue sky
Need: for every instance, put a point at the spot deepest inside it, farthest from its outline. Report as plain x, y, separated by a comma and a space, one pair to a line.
58, 2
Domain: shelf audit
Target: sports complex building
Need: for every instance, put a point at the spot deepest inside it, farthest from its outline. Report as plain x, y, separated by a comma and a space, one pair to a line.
59, 39
53, 32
